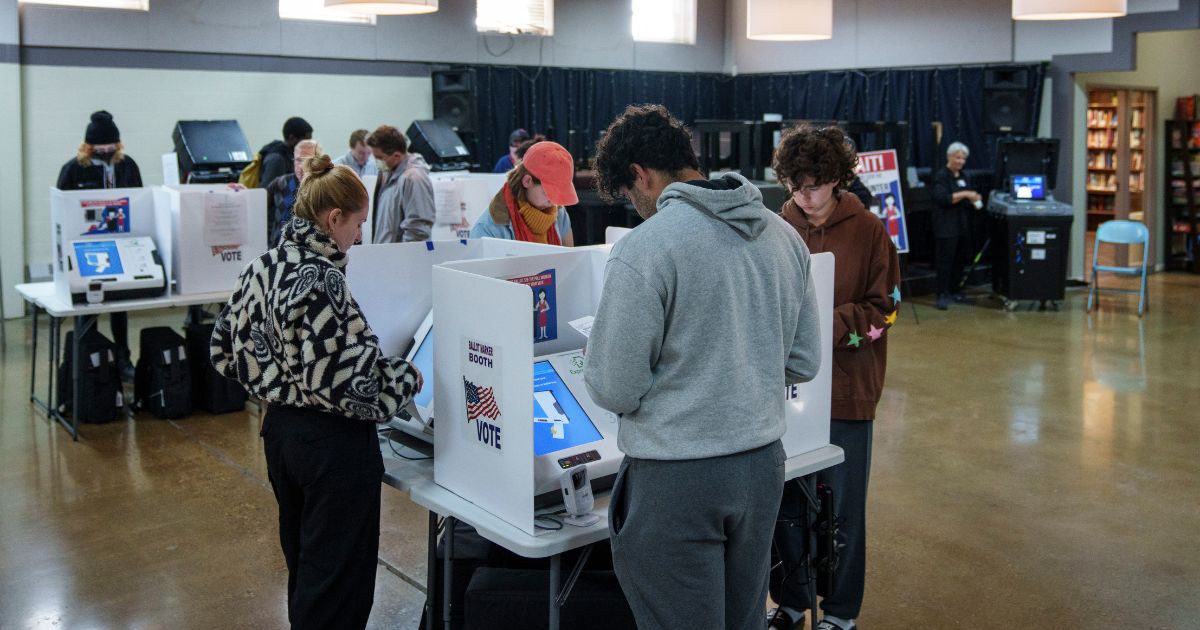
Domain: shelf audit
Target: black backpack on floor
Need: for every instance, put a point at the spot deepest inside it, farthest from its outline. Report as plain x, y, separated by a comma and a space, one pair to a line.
101, 397
162, 382
211, 391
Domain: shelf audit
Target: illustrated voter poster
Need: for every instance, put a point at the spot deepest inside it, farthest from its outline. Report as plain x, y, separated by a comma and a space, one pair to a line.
106, 216
545, 313
880, 173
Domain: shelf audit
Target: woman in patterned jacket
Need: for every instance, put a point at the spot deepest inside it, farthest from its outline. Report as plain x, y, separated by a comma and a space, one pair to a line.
294, 337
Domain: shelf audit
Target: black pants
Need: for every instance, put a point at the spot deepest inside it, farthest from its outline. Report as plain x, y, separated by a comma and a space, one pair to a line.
120, 330
326, 472
848, 481
950, 258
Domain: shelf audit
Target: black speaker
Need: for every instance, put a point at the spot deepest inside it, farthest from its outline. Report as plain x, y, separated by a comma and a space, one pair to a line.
437, 142
454, 99
1006, 100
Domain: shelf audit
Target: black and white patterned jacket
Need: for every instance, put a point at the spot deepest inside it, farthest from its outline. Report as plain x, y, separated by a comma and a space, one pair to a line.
292, 334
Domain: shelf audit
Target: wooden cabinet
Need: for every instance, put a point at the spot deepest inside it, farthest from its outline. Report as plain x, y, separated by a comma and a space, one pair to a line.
1118, 143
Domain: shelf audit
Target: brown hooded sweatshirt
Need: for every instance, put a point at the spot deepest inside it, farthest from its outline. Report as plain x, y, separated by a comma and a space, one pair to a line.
866, 297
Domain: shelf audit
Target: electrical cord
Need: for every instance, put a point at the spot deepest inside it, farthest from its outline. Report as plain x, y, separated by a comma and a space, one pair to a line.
554, 518
387, 433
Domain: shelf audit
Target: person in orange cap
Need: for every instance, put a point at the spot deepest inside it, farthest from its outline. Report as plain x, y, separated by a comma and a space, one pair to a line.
530, 206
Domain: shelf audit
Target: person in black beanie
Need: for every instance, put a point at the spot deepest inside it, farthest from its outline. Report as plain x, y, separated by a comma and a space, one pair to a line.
101, 163
277, 157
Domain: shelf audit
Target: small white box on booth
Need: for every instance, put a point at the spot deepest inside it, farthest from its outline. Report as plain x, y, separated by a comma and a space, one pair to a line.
209, 233
485, 338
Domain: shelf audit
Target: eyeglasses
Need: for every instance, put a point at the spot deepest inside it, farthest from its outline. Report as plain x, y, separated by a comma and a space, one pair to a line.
808, 190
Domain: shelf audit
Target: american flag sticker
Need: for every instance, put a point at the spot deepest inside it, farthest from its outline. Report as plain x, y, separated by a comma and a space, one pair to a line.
482, 399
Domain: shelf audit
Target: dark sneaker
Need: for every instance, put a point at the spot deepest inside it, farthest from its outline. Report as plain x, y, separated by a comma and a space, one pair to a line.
943, 302
829, 625
778, 619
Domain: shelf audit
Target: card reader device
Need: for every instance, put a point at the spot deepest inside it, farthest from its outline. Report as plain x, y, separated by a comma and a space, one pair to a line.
114, 268
577, 497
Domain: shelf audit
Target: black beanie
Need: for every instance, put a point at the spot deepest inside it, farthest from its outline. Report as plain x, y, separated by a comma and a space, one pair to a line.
297, 127
102, 129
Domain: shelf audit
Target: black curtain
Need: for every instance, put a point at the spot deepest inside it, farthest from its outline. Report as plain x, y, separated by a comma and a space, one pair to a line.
573, 106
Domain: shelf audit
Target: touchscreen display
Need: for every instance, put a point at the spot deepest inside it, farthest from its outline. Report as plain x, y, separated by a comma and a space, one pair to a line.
98, 258
1031, 187
559, 422
423, 359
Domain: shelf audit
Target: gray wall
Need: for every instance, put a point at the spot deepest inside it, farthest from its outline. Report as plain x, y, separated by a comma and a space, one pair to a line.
897, 33
587, 33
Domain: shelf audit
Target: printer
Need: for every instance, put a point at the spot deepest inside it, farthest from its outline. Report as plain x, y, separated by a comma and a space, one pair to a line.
114, 268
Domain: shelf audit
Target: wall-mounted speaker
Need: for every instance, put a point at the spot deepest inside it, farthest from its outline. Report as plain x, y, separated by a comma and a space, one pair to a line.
454, 97
1007, 105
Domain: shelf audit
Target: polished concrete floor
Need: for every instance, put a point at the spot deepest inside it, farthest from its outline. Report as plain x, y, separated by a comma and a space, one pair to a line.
1031, 469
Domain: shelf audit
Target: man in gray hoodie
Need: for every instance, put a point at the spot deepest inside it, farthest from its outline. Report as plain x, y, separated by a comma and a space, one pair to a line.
404, 205
708, 312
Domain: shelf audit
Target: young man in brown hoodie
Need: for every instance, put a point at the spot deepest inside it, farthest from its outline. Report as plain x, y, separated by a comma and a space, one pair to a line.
817, 166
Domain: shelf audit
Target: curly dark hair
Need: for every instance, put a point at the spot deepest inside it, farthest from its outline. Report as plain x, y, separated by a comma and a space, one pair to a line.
646, 135
825, 154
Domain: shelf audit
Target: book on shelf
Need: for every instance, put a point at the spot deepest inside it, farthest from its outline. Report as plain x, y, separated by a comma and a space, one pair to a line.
1185, 107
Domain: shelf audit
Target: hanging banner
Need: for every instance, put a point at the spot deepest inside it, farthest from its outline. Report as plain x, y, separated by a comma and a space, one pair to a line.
880, 172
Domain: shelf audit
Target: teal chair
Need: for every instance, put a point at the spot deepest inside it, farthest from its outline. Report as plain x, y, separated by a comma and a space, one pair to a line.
1121, 233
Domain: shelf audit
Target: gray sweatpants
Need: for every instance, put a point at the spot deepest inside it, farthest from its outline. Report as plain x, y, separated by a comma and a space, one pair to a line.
691, 539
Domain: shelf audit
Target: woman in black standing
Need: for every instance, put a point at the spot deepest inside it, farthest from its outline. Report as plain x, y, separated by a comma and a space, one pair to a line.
294, 337
952, 224
101, 163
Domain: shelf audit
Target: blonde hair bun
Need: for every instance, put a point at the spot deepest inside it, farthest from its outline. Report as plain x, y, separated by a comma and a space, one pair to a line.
318, 165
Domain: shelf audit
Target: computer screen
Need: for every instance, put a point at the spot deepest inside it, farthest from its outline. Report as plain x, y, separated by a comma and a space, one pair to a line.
423, 359
559, 422
98, 258
1029, 187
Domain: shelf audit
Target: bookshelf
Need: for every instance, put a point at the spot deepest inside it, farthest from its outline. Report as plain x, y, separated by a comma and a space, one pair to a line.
1181, 193
1118, 140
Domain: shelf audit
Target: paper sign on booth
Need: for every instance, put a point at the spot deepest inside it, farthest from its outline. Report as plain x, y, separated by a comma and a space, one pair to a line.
482, 394
224, 219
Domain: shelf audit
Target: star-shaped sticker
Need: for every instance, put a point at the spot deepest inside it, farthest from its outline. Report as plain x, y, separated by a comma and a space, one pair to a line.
855, 339
891, 319
875, 333
896, 295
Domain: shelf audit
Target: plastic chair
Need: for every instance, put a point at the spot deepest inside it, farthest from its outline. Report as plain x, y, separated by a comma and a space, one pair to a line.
1120, 233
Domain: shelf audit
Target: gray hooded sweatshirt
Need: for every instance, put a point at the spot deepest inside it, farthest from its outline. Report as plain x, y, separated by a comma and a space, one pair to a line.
708, 312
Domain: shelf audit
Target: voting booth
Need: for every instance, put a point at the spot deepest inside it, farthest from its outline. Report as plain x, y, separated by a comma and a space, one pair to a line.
461, 198
104, 241
208, 233
512, 411
393, 286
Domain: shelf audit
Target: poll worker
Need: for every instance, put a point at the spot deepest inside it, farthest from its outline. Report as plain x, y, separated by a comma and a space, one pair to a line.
404, 205
818, 166
707, 312
508, 160
281, 193
278, 155
293, 336
359, 156
100, 163
955, 202
529, 207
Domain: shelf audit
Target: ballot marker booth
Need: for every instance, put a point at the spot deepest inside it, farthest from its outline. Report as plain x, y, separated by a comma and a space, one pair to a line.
208, 233
512, 411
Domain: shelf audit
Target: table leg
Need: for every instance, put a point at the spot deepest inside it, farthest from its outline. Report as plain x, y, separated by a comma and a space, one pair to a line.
81, 325
33, 358
811, 482
55, 350
555, 578
431, 571
447, 570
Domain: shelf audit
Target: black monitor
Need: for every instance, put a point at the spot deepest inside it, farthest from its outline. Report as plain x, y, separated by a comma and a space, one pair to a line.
1026, 156
436, 141
209, 145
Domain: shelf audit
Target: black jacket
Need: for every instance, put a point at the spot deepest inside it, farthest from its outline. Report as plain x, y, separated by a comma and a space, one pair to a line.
74, 176
950, 220
276, 161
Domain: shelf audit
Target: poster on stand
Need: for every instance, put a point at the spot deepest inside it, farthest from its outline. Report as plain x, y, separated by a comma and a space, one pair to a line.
880, 173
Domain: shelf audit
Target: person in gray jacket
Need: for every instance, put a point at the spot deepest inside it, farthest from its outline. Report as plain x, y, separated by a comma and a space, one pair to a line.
404, 207
708, 312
